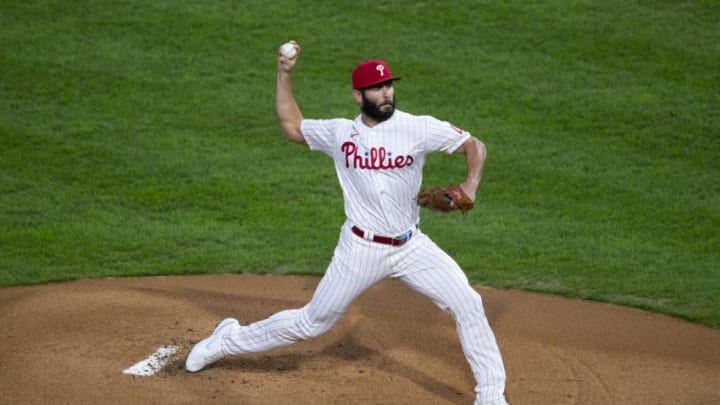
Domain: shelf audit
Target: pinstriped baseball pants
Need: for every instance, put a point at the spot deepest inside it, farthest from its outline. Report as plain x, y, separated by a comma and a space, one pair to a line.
357, 265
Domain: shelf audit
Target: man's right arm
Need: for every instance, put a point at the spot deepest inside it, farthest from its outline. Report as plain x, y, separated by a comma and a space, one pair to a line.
288, 113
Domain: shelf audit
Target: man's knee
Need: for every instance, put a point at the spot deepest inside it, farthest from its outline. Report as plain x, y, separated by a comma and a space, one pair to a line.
314, 326
470, 308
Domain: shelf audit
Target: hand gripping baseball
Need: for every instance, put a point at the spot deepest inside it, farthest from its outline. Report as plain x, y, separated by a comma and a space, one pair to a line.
445, 199
288, 54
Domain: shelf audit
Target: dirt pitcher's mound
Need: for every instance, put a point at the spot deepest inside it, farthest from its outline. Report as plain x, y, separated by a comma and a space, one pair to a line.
70, 343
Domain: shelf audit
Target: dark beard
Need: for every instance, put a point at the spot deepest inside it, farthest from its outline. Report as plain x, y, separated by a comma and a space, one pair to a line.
373, 111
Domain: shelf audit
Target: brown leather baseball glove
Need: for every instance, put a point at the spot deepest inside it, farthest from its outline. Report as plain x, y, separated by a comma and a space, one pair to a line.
445, 199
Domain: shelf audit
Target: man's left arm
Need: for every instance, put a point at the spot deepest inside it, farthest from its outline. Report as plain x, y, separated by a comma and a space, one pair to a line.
475, 153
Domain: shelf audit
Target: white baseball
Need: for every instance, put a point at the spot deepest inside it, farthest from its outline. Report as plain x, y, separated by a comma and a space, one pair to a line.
288, 50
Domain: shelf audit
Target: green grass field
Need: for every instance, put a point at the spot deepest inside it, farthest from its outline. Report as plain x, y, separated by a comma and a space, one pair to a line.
139, 138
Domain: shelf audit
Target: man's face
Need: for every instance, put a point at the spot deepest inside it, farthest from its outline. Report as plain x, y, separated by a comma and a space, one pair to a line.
378, 102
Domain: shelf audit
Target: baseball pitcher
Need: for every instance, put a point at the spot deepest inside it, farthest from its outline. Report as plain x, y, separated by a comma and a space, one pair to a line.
378, 158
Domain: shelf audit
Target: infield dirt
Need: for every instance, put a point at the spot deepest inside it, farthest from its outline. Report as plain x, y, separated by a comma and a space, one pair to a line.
68, 343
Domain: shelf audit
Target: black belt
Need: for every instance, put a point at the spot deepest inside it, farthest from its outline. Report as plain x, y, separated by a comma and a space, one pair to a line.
385, 240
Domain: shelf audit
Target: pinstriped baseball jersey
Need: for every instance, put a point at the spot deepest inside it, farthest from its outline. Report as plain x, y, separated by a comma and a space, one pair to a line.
380, 168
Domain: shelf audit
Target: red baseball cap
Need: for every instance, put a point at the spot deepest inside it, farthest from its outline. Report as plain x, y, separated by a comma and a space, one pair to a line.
370, 73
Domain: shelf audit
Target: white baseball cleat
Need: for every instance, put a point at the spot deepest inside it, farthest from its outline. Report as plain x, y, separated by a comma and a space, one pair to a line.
209, 350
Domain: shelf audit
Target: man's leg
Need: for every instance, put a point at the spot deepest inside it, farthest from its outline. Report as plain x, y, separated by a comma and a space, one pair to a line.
437, 275
355, 267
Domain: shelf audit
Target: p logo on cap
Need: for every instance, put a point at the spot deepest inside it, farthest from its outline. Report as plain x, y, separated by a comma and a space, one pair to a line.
370, 73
